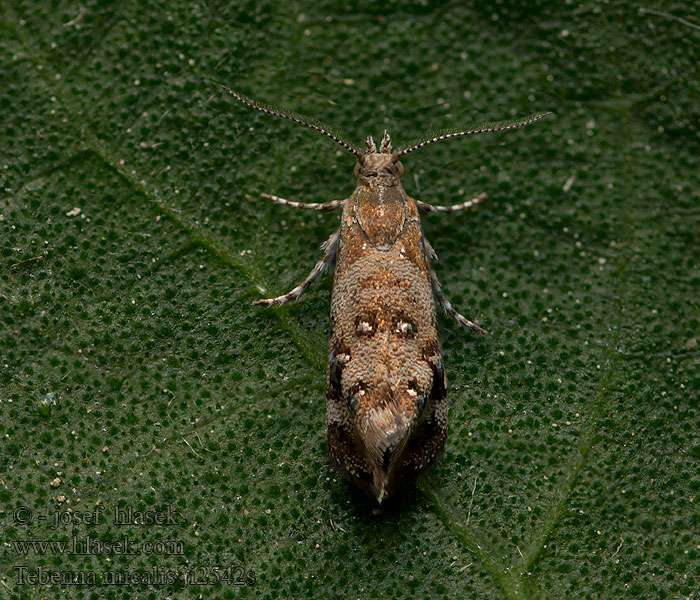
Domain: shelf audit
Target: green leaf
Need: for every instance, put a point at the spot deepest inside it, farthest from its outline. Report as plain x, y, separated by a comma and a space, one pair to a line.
136, 376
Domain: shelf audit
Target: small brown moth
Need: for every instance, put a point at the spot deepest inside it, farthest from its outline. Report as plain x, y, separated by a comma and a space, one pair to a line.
386, 411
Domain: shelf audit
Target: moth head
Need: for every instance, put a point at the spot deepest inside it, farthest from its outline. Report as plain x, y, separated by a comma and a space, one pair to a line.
378, 166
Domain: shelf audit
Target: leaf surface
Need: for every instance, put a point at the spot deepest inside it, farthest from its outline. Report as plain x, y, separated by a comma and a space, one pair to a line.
135, 374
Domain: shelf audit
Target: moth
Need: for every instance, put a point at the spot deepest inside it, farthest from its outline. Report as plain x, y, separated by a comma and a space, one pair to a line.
386, 409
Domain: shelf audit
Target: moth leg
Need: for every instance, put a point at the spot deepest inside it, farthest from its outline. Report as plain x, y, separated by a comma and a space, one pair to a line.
330, 248
425, 207
327, 206
444, 302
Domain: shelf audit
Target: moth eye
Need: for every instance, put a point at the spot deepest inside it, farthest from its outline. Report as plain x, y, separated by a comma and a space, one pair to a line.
406, 329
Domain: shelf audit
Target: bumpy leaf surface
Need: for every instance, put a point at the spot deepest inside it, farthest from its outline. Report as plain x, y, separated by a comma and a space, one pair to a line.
135, 374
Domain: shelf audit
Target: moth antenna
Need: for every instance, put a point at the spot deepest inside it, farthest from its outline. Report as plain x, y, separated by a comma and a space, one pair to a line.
385, 146
474, 129
296, 118
369, 142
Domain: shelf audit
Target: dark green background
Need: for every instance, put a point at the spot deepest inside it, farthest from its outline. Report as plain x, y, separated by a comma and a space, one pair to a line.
134, 371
